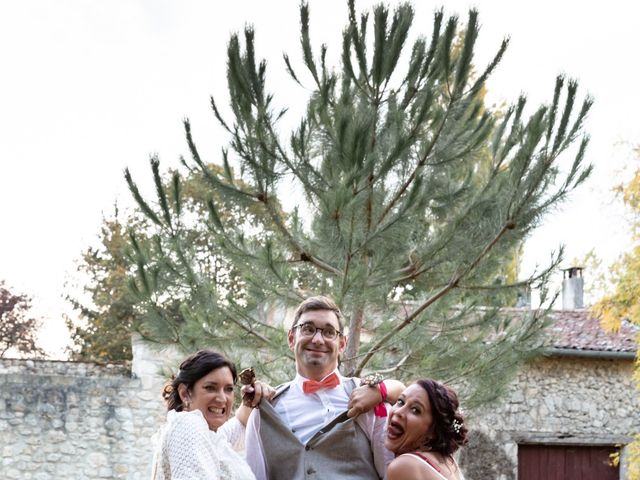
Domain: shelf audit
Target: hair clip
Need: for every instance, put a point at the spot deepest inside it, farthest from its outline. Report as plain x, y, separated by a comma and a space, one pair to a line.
456, 425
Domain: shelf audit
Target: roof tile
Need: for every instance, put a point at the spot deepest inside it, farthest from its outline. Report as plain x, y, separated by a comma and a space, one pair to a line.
580, 330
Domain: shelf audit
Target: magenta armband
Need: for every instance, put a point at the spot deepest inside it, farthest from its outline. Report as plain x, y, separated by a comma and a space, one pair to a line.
381, 410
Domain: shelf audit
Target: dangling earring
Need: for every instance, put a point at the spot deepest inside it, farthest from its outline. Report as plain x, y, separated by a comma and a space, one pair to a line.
187, 405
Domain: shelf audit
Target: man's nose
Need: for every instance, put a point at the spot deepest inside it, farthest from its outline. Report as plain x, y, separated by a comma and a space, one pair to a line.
317, 337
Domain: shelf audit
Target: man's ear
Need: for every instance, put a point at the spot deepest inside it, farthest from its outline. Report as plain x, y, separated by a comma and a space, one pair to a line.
343, 343
291, 337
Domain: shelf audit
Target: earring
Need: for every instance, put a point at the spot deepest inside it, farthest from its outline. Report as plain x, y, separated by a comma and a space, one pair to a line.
187, 405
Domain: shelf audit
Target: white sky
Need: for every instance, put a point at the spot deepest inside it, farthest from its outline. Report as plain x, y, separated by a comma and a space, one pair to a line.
91, 87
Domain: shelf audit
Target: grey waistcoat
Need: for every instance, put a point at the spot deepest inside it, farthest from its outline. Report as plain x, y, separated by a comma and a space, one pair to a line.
339, 450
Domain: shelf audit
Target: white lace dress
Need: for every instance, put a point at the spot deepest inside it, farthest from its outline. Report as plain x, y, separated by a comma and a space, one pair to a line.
187, 450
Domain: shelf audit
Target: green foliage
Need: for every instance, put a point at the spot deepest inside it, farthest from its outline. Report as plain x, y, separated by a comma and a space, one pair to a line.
623, 303
113, 304
413, 198
17, 327
104, 330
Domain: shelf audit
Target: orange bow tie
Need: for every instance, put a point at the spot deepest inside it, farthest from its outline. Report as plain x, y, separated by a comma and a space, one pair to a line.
310, 386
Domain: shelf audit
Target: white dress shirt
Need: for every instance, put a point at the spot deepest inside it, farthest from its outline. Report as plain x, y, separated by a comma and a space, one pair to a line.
305, 414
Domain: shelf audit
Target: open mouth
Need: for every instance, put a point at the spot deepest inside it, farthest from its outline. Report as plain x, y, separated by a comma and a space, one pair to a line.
394, 431
217, 411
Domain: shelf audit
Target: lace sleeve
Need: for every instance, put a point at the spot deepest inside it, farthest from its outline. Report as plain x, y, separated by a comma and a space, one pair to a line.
234, 432
190, 450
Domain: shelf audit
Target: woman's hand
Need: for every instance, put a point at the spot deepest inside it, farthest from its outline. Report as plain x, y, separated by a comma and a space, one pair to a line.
252, 394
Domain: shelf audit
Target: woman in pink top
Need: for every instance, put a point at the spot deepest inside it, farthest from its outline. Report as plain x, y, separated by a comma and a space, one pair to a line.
424, 429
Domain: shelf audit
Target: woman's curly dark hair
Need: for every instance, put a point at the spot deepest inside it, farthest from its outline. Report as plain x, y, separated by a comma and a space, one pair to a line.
448, 428
192, 369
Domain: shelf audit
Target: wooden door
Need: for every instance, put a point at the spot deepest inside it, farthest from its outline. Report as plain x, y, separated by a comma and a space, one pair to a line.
565, 462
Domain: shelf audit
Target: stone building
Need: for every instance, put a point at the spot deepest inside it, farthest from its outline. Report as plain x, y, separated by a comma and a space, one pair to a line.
567, 411
561, 418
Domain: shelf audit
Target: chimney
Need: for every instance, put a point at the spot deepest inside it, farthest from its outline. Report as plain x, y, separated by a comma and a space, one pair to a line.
572, 288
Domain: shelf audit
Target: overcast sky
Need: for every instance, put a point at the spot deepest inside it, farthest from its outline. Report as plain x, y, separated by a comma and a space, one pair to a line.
91, 87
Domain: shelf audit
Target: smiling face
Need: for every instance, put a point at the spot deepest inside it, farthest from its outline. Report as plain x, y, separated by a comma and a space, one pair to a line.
410, 421
316, 356
212, 395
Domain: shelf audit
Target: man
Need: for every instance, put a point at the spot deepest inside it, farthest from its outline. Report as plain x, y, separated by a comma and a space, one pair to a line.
305, 432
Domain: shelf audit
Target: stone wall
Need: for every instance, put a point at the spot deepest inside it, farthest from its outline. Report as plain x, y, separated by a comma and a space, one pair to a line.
564, 400
64, 420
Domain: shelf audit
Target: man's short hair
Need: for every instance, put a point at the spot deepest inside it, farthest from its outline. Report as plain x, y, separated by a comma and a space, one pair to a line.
318, 303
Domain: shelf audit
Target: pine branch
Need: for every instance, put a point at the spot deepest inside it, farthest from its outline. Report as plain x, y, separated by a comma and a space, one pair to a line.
416, 170
464, 62
162, 196
144, 206
431, 300
306, 43
298, 249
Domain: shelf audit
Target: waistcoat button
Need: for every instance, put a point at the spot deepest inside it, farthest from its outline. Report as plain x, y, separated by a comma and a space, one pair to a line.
310, 471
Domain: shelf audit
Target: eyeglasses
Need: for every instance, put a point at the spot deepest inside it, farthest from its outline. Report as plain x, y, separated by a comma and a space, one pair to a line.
309, 330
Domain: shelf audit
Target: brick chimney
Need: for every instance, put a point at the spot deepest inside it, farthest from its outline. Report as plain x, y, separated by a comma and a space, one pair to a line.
572, 288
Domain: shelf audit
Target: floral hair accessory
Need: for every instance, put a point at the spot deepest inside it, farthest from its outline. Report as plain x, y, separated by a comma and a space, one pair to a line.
456, 425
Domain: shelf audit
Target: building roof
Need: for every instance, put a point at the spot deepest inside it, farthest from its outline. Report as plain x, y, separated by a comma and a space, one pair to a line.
579, 330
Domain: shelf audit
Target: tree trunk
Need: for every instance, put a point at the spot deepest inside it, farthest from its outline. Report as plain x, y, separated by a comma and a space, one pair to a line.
353, 341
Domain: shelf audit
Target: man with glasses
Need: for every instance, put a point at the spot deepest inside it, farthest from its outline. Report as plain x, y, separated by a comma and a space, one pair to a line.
306, 432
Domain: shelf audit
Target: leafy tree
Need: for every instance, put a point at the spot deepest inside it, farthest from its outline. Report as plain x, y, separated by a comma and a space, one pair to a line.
104, 330
17, 328
111, 309
623, 304
399, 193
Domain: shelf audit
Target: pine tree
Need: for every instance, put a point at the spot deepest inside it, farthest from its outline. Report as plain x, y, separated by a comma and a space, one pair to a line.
413, 195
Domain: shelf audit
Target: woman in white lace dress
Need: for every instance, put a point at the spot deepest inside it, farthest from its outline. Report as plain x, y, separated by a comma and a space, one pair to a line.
424, 430
199, 441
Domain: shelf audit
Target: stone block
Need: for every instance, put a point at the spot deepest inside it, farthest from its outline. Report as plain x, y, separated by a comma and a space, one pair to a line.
105, 472
97, 459
54, 457
12, 473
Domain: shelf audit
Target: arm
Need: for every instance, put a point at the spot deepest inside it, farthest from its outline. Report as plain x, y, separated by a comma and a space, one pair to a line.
394, 389
365, 398
381, 456
254, 454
